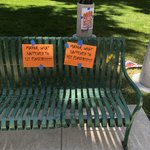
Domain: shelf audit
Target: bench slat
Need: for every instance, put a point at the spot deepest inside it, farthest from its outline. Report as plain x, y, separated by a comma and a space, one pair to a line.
96, 114
45, 108
37, 108
107, 105
114, 107
98, 98
32, 104
58, 116
87, 105
64, 107
13, 53
122, 107
79, 97
8, 69
7, 111
52, 108
15, 111
22, 111
72, 117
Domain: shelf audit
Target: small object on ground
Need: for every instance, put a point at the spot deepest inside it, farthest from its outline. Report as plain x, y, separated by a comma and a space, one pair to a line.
109, 58
130, 64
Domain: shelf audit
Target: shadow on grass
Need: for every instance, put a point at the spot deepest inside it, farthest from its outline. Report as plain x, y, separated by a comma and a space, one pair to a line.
49, 21
141, 6
36, 21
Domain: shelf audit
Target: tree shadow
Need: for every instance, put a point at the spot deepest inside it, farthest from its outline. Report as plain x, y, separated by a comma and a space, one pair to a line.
142, 6
44, 21
48, 21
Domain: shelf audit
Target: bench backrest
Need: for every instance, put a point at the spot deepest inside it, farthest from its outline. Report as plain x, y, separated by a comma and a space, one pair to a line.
104, 73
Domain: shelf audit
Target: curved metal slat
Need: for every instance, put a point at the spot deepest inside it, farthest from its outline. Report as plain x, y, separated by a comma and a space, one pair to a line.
7, 111
100, 105
45, 108
7, 57
103, 80
53, 99
112, 67
3, 79
79, 96
32, 105
87, 105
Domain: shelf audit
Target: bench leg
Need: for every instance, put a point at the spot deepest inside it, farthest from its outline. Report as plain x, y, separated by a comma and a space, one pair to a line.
127, 132
126, 137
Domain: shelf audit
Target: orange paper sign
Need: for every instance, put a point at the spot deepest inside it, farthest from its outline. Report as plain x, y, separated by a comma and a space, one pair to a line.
83, 55
39, 54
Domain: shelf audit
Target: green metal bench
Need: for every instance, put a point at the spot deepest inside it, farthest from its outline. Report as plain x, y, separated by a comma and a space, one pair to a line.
64, 95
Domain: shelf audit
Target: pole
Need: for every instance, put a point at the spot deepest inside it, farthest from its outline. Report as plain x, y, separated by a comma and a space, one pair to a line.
85, 18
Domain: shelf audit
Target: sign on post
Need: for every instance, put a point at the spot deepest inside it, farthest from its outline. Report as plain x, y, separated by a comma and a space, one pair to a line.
39, 54
87, 18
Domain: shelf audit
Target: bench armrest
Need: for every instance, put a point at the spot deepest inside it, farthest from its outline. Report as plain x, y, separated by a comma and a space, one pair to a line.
134, 87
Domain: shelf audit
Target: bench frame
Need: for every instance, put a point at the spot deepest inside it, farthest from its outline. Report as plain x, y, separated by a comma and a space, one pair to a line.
138, 106
138, 94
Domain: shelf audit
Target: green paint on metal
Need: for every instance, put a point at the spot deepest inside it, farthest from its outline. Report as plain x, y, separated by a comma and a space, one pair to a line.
6, 113
58, 115
87, 105
96, 114
104, 116
13, 114
45, 108
66, 99
31, 109
52, 108
31, 98
72, 116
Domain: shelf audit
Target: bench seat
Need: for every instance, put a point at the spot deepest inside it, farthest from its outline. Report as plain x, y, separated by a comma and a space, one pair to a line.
51, 106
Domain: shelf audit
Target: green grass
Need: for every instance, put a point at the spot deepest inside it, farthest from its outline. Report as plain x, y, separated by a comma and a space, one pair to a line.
125, 18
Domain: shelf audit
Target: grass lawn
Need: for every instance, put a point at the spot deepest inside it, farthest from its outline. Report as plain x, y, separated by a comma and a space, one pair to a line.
125, 18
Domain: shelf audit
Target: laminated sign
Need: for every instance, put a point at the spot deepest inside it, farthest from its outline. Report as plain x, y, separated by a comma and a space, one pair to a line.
39, 54
82, 55
87, 18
